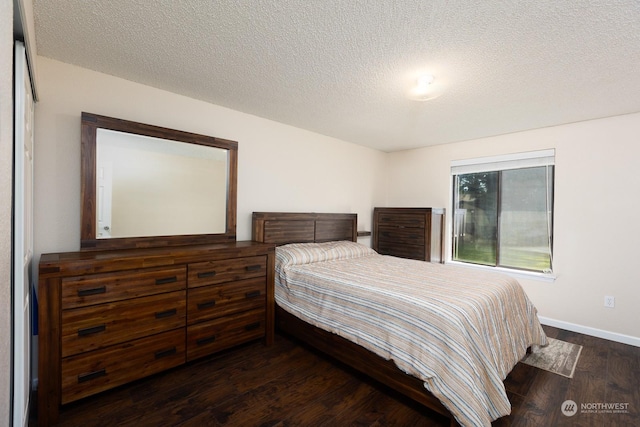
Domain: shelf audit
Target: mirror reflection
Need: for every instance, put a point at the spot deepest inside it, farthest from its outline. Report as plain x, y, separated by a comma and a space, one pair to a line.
148, 186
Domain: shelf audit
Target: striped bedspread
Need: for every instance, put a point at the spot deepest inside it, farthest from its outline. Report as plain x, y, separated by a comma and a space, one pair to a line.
461, 331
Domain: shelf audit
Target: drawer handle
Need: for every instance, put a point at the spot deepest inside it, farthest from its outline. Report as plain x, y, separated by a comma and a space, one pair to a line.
253, 267
252, 326
164, 353
206, 274
208, 304
166, 280
167, 313
92, 291
252, 294
414, 236
91, 375
92, 330
207, 340
385, 234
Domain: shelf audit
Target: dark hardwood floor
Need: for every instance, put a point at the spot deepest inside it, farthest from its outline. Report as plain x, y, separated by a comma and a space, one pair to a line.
288, 384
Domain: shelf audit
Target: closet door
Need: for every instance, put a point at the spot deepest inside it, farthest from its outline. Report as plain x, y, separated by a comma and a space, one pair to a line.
22, 236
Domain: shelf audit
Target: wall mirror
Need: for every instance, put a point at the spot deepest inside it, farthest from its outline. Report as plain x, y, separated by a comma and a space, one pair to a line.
148, 186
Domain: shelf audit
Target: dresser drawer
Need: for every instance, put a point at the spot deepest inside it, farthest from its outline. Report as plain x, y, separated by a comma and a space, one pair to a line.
228, 270
209, 302
209, 337
401, 251
93, 327
403, 236
401, 220
89, 373
101, 288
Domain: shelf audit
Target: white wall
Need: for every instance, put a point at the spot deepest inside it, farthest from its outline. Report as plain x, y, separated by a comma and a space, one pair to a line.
280, 168
6, 173
597, 230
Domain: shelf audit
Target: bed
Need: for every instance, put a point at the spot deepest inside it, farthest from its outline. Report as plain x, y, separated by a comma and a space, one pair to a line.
442, 336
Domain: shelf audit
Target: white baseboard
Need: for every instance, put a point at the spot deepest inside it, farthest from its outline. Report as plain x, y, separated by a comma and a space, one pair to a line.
612, 336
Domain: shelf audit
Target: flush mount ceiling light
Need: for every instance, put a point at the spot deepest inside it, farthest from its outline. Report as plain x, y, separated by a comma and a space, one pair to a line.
424, 89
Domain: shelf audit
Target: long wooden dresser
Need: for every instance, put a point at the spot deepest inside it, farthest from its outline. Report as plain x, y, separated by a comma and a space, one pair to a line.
415, 233
110, 317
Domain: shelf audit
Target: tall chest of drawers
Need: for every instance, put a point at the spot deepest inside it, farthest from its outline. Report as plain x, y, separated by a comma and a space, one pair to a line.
415, 233
108, 318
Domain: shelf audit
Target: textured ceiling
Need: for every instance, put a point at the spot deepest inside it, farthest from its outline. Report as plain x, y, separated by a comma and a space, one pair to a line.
343, 68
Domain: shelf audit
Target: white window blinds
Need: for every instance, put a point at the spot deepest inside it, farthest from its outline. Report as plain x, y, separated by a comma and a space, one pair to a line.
504, 162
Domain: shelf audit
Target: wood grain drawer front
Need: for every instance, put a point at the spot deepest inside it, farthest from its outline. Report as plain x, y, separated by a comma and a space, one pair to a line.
89, 373
402, 251
94, 327
404, 236
210, 302
402, 220
108, 287
210, 337
228, 270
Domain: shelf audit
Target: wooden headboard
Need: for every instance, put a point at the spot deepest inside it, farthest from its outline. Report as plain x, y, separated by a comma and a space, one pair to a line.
292, 227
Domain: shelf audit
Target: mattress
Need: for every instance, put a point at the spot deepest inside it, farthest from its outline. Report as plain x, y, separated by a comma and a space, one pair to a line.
460, 331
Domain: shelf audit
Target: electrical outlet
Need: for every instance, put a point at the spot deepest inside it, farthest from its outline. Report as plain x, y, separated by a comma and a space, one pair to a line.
609, 301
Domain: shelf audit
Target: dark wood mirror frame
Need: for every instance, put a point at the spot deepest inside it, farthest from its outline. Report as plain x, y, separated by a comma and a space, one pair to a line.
88, 240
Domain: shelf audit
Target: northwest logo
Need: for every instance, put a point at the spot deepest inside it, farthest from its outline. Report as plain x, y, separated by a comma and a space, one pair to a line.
569, 408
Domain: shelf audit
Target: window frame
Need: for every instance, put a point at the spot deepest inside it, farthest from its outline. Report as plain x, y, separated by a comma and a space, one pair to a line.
499, 164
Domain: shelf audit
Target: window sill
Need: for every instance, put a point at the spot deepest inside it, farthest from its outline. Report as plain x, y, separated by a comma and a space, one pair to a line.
517, 274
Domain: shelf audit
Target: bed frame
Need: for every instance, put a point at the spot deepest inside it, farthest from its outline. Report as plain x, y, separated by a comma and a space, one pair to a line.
282, 228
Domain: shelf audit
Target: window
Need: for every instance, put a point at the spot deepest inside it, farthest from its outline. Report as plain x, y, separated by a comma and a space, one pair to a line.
503, 211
